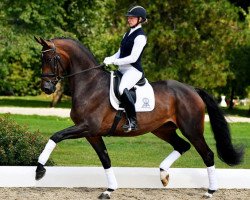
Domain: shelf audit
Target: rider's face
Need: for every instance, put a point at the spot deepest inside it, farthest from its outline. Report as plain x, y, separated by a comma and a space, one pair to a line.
132, 21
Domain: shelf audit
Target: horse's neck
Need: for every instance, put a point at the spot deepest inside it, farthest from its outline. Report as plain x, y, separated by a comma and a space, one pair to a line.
87, 82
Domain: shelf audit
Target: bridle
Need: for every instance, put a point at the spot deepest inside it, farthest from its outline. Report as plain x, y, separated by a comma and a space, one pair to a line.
56, 64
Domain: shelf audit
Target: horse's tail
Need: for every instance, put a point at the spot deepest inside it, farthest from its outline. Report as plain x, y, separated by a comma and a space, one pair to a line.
225, 149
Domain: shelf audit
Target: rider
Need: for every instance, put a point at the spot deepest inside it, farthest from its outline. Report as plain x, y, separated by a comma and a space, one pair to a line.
128, 58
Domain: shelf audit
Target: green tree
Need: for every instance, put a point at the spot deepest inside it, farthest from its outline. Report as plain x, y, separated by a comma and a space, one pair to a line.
21, 20
239, 83
188, 40
90, 21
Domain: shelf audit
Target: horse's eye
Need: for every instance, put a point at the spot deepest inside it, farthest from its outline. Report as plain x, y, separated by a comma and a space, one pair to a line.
49, 60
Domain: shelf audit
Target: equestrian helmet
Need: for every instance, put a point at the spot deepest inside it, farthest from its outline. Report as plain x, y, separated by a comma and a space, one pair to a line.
137, 11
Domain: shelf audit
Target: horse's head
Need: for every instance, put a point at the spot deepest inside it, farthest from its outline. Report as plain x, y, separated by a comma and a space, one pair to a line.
52, 67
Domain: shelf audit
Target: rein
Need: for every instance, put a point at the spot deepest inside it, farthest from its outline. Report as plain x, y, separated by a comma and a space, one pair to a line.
80, 72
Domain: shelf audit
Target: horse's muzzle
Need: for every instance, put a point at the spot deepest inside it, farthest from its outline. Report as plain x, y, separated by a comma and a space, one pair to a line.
48, 87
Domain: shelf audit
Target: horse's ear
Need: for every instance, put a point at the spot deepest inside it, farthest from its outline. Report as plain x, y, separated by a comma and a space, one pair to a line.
44, 43
38, 40
41, 41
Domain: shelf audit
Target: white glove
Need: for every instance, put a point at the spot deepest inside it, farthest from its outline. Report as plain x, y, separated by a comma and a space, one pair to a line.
108, 61
116, 62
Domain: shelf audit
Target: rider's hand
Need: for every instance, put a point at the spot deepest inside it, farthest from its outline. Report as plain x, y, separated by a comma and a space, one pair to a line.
108, 61
116, 62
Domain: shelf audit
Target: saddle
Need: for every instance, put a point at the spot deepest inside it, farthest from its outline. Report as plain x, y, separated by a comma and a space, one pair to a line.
142, 93
117, 81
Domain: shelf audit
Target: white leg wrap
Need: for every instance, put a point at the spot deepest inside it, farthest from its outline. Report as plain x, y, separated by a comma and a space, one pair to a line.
43, 158
112, 183
213, 185
167, 162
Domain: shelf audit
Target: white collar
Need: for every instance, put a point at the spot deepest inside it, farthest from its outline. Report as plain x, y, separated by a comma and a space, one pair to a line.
135, 28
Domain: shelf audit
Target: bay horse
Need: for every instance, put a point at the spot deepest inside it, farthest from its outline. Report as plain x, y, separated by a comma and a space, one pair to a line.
177, 106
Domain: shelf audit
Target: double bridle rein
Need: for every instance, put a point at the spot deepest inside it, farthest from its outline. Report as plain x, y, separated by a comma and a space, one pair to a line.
55, 64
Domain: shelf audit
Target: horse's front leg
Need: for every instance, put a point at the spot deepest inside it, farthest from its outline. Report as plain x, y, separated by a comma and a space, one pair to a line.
68, 133
98, 144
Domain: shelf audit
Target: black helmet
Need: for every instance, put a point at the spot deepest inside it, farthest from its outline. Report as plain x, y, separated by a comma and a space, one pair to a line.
137, 11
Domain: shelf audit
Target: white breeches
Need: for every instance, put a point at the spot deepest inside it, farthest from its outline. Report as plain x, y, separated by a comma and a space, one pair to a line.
130, 77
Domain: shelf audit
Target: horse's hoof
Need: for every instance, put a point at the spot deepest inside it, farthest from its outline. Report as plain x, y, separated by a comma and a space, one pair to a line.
40, 172
209, 193
104, 196
164, 178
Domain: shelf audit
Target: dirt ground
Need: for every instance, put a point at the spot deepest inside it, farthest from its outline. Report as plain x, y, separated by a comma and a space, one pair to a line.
120, 194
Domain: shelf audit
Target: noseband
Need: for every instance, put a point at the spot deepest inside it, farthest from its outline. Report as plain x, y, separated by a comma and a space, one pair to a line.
55, 64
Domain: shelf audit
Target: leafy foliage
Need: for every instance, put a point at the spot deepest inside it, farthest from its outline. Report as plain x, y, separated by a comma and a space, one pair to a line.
17, 145
191, 41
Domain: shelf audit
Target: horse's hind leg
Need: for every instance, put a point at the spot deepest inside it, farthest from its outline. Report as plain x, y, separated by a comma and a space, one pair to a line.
195, 135
168, 133
208, 158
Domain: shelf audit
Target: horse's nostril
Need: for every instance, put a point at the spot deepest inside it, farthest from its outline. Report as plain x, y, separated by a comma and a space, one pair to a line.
47, 90
48, 87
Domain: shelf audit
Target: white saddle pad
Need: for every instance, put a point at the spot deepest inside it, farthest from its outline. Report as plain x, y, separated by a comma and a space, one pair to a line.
145, 98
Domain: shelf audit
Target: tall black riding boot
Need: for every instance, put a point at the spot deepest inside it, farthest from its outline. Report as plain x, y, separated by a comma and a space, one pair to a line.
129, 107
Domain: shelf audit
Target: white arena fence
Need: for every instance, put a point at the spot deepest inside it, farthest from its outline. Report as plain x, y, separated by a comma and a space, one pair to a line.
127, 177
